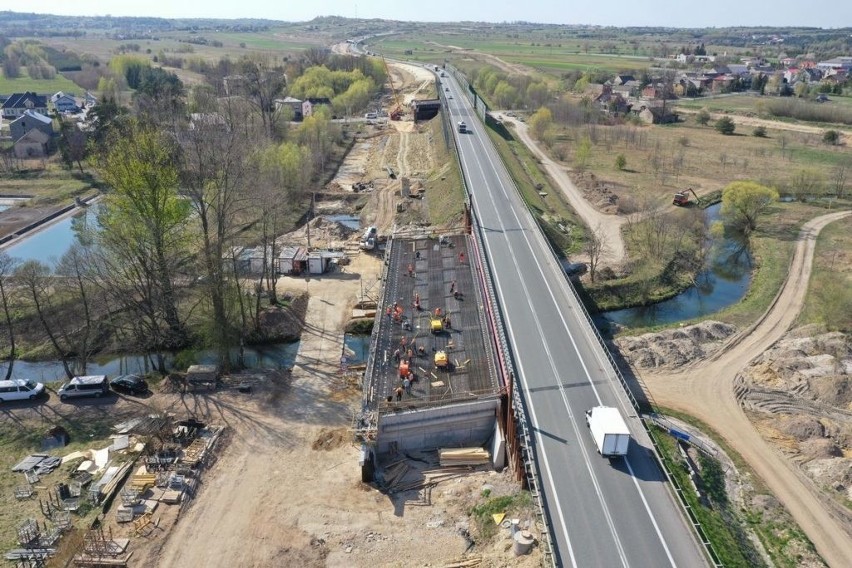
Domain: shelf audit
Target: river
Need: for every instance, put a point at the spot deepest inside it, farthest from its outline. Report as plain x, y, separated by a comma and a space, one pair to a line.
723, 282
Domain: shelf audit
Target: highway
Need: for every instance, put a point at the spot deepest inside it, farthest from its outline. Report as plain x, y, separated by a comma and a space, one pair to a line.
602, 513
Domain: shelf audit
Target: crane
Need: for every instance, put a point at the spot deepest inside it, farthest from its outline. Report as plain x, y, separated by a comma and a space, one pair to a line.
396, 112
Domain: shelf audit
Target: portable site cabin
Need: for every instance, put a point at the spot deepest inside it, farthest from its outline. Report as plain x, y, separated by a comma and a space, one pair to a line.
256, 258
293, 260
320, 262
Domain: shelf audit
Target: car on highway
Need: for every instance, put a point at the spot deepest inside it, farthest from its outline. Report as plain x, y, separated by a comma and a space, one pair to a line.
449, 96
94, 386
17, 389
129, 384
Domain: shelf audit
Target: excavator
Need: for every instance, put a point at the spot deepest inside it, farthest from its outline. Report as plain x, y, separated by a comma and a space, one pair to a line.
397, 111
681, 198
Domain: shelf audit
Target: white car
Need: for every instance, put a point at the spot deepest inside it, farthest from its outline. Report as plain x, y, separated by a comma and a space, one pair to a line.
16, 389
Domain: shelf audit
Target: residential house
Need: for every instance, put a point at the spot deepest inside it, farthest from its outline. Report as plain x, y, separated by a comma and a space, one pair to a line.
64, 103
611, 102
18, 103
808, 75
837, 64
30, 120
311, 103
835, 77
788, 61
294, 104
739, 70
33, 144
655, 91
722, 83
623, 90
756, 61
688, 58
654, 112
623, 79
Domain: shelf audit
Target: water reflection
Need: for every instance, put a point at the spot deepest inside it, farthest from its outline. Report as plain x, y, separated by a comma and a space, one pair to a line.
723, 282
273, 356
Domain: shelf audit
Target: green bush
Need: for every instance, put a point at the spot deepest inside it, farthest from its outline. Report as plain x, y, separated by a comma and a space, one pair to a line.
725, 125
759, 132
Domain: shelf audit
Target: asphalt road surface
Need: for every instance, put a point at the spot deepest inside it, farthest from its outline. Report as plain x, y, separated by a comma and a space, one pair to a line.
602, 513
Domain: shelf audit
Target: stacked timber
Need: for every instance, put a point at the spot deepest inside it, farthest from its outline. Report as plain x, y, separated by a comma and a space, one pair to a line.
463, 456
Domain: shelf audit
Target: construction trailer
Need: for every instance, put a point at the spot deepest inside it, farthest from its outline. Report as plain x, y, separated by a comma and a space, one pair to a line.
293, 260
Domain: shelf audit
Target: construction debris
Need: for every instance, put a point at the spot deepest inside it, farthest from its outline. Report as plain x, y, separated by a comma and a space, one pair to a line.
464, 456
41, 464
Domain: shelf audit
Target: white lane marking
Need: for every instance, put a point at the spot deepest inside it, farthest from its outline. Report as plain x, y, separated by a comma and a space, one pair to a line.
582, 361
595, 484
540, 448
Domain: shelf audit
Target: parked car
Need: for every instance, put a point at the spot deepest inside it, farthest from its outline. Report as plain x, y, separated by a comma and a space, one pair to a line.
129, 384
91, 385
17, 389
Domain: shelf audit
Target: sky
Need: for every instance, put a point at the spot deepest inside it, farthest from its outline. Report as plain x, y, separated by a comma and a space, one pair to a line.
669, 13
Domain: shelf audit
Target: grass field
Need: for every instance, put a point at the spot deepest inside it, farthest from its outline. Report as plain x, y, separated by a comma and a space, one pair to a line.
829, 300
550, 59
275, 41
41, 86
665, 159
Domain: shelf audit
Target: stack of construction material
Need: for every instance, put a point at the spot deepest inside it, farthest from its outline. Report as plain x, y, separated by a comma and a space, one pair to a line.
463, 456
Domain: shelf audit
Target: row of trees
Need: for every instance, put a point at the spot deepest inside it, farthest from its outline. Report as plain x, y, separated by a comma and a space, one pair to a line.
509, 91
158, 272
29, 54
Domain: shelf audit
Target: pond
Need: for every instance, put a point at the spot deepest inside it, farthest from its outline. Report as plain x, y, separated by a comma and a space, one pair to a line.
47, 245
274, 356
349, 221
356, 348
723, 282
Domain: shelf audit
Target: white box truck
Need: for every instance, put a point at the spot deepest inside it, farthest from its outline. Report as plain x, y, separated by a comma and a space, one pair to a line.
608, 430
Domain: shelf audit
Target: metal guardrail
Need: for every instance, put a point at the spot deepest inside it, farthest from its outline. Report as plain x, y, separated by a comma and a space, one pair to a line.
699, 530
527, 447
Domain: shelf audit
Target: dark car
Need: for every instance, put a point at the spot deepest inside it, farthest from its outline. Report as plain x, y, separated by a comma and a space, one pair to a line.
129, 384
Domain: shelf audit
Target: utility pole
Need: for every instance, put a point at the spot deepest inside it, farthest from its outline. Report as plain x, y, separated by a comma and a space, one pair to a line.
310, 216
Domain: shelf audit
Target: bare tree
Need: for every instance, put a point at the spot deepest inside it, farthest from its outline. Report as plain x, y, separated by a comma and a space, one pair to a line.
263, 83
839, 180
596, 246
77, 324
35, 279
7, 268
216, 172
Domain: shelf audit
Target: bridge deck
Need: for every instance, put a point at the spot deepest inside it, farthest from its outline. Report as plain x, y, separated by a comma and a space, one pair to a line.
435, 267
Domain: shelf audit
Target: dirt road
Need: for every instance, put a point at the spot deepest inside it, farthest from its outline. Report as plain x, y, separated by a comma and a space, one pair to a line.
271, 492
610, 225
705, 390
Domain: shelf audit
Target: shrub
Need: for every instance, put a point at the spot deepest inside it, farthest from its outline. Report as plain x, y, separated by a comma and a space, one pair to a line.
759, 132
725, 125
831, 137
703, 117
620, 162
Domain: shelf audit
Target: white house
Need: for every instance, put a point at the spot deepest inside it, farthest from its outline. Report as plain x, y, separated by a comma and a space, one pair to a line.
64, 103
